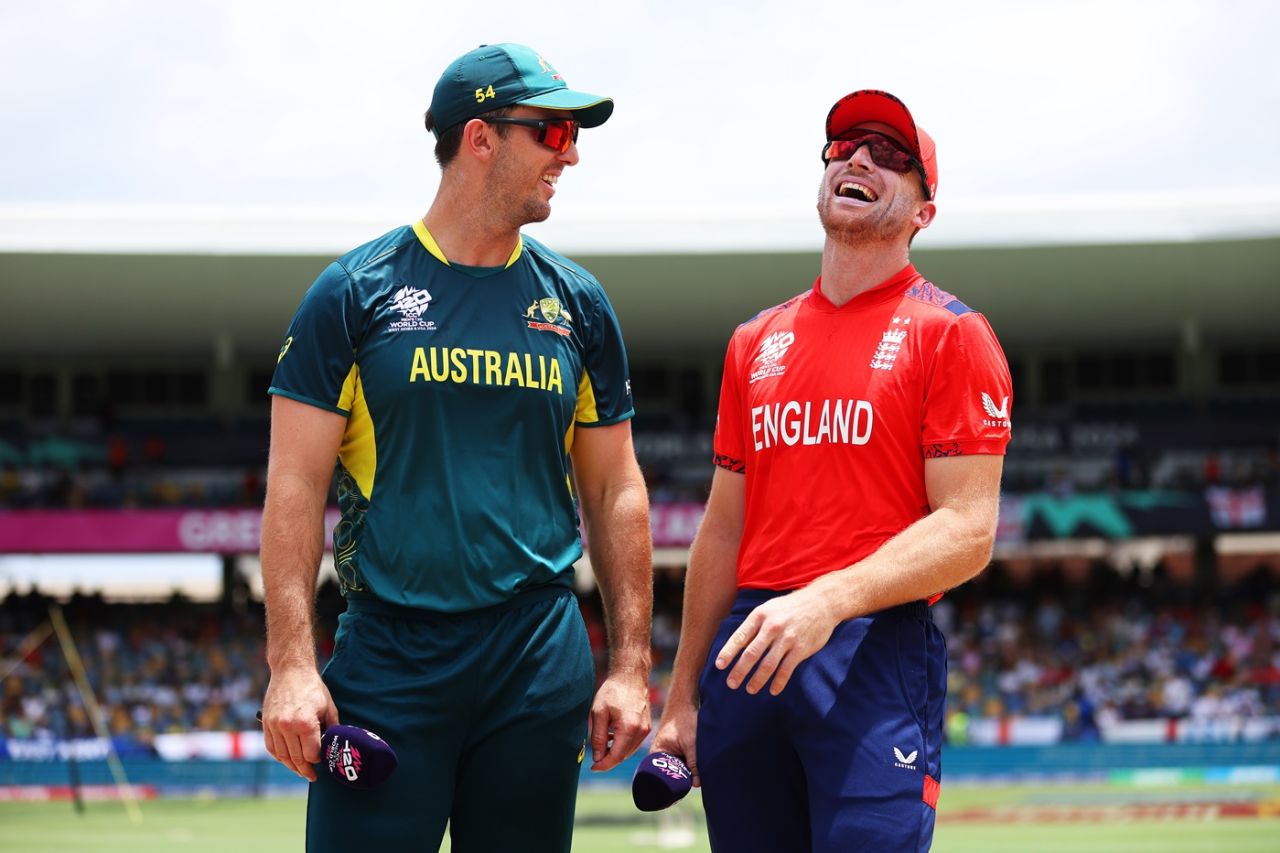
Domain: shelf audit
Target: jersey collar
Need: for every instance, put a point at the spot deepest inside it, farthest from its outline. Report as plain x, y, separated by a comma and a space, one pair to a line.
430, 244
890, 287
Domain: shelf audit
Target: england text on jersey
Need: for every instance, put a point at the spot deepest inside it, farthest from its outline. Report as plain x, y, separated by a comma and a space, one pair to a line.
826, 422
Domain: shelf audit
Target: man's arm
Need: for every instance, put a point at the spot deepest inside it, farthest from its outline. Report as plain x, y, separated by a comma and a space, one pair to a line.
297, 707
940, 551
710, 586
615, 506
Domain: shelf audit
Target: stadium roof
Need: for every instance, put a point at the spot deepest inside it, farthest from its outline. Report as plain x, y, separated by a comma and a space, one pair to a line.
1111, 271
1081, 219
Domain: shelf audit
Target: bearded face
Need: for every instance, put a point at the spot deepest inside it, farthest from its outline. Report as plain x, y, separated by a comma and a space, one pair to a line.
852, 219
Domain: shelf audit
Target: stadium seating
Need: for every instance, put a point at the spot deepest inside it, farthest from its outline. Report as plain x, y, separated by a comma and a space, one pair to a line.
1076, 659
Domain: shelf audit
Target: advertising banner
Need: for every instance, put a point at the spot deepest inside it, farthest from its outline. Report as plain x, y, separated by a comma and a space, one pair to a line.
1023, 517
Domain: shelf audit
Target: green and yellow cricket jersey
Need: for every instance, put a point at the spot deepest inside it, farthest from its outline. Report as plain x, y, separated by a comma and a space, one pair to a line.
461, 387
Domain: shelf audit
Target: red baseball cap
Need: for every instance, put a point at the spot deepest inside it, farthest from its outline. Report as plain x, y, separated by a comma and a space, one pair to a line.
872, 105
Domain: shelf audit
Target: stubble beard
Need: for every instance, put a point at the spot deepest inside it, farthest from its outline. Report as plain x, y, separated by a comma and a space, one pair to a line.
515, 211
885, 225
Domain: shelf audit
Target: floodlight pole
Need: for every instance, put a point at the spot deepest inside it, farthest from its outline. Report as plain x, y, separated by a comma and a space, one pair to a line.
95, 712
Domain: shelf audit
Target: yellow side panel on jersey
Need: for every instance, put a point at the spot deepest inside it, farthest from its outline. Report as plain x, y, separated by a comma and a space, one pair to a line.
586, 410
358, 452
430, 244
568, 445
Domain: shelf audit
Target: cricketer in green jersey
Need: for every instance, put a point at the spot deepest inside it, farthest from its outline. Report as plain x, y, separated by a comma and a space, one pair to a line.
472, 386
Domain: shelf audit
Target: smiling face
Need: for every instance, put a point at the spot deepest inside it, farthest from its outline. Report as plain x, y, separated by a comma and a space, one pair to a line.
862, 202
524, 173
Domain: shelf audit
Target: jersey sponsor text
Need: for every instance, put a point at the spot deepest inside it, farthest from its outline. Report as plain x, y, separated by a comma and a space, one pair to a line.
808, 423
999, 415
486, 367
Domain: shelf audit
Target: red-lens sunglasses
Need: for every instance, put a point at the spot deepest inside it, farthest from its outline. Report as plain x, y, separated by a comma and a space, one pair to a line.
555, 133
886, 152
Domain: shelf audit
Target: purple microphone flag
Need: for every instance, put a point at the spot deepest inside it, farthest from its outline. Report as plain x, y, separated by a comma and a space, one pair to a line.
356, 757
660, 780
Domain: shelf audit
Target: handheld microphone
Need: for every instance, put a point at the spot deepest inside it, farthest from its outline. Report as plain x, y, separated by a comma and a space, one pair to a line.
356, 757
661, 780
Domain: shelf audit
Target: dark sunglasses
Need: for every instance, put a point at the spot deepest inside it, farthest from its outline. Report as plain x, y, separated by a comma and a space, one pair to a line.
887, 153
555, 133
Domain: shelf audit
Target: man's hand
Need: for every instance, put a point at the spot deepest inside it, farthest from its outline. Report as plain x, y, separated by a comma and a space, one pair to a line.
678, 735
620, 719
295, 712
778, 634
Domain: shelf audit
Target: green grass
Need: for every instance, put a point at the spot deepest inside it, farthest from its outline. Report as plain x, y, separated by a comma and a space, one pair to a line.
1116, 832
608, 823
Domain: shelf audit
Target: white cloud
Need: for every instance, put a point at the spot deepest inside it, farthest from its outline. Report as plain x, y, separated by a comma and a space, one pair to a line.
720, 104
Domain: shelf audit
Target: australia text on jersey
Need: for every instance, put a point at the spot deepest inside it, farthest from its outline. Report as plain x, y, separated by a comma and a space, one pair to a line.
486, 367
827, 422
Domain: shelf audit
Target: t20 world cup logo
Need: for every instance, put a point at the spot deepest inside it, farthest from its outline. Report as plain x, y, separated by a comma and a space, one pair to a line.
775, 347
671, 766
345, 758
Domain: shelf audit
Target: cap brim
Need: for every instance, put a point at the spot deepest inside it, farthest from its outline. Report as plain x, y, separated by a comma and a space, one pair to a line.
871, 106
590, 110
868, 106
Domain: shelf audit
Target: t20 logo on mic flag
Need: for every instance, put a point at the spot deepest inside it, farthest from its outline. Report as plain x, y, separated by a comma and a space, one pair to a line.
356, 757
344, 760
660, 780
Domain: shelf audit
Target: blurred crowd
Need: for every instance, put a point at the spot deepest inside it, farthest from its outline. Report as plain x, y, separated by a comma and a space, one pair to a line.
205, 465
1114, 647
153, 669
89, 486
95, 487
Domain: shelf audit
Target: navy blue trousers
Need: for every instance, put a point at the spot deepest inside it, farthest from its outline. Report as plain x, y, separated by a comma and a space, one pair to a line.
847, 758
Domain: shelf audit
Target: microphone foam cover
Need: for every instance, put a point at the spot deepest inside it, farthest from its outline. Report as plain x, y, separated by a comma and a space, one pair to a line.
660, 780
356, 757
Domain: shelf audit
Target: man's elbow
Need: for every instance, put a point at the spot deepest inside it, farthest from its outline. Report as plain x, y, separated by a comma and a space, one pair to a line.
979, 544
631, 494
621, 502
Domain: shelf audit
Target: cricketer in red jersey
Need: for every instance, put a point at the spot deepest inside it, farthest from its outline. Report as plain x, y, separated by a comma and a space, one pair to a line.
859, 447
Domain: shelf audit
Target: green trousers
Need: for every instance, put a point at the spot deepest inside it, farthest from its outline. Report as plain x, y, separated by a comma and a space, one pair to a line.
487, 713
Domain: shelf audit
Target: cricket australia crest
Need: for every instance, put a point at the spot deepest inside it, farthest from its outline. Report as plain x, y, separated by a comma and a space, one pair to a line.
548, 315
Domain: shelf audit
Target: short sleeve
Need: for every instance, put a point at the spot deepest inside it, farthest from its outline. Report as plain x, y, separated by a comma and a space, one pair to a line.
729, 445
604, 389
969, 393
318, 353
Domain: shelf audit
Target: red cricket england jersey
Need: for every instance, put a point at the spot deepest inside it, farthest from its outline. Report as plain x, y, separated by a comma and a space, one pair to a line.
831, 413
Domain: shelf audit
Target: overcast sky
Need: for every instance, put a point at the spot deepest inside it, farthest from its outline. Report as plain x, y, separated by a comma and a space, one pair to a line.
720, 105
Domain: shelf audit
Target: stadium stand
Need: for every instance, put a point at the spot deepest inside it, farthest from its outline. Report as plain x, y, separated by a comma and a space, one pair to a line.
1081, 656
1152, 421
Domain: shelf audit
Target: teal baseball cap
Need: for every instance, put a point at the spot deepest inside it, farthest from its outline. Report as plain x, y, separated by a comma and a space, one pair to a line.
501, 75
